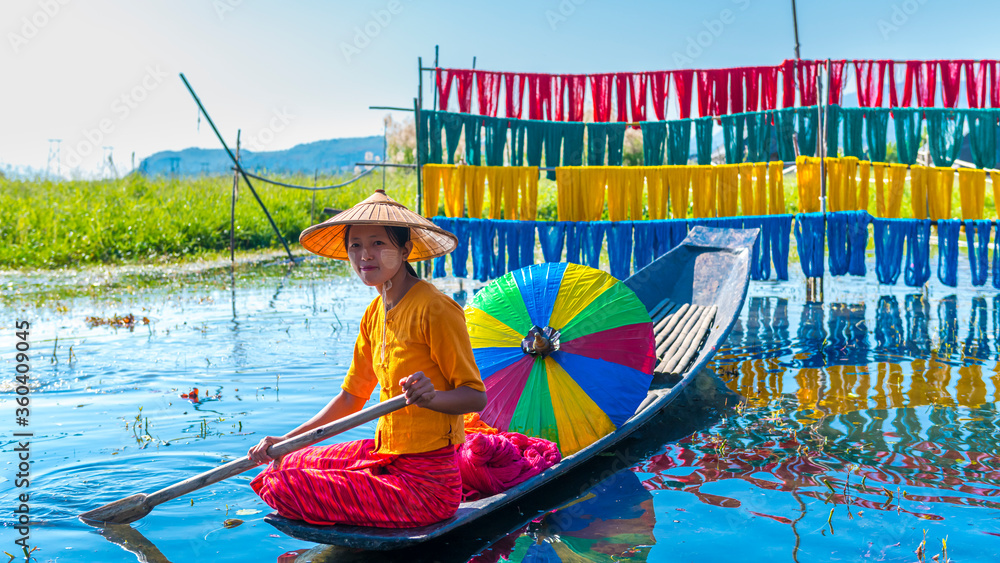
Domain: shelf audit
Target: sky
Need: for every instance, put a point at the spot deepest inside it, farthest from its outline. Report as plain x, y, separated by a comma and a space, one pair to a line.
103, 75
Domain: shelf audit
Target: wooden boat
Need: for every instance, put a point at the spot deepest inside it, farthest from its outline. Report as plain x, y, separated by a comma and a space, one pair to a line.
694, 295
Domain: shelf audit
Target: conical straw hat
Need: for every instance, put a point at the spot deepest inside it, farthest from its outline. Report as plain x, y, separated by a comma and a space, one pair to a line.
327, 238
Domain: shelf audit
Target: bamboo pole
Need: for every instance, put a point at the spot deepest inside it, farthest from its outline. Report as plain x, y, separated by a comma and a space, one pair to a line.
232, 206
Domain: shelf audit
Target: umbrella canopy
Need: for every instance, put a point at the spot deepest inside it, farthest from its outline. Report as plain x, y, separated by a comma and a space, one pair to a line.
566, 352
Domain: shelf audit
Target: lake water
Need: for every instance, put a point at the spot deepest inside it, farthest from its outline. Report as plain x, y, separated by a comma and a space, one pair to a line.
852, 430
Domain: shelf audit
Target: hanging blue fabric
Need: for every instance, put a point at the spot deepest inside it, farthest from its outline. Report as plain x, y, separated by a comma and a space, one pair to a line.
496, 139
809, 240
836, 232
889, 237
526, 241
513, 245
573, 242
831, 119
944, 134
759, 136
908, 123
460, 256
784, 129
679, 141
876, 131
948, 231
473, 142
498, 248
654, 136
551, 235
453, 124
620, 248
733, 126
780, 239
593, 241
761, 257
535, 133
642, 244
854, 131
857, 241
808, 130
983, 137
667, 234
481, 242
702, 140
429, 136
518, 133
918, 253
977, 236
996, 264
439, 262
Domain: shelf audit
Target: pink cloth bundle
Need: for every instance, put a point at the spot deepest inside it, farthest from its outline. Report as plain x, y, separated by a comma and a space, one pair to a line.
493, 463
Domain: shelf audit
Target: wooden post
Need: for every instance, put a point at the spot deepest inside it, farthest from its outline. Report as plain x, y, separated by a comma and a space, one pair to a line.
418, 103
232, 207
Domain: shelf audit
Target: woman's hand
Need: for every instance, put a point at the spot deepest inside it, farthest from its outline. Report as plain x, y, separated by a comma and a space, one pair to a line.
418, 389
258, 453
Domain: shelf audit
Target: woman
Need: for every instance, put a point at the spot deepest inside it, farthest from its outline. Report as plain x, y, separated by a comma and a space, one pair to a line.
413, 341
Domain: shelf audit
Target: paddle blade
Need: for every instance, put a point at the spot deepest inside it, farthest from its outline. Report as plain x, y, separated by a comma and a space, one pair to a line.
124, 511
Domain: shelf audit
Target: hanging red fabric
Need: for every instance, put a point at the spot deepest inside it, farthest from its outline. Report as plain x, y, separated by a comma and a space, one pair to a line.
864, 78
736, 89
769, 87
576, 85
540, 96
659, 88
994, 86
559, 86
891, 73
975, 84
787, 83
882, 65
926, 83
638, 96
621, 97
443, 80
488, 89
600, 90
463, 84
514, 86
706, 88
751, 80
951, 78
836, 88
808, 93
683, 80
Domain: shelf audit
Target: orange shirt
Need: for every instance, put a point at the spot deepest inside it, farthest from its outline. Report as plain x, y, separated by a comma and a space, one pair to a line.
424, 332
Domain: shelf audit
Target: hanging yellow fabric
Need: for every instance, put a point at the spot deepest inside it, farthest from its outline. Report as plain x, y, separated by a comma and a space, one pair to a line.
634, 182
617, 199
995, 180
563, 195
475, 189
591, 205
529, 192
939, 189
654, 191
864, 174
776, 188
727, 183
746, 189
512, 177
849, 182
760, 188
679, 180
454, 192
495, 180
702, 191
432, 186
919, 179
897, 186
808, 180
972, 191
835, 192
878, 168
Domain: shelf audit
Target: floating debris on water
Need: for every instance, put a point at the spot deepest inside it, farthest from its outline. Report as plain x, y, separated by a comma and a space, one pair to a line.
128, 321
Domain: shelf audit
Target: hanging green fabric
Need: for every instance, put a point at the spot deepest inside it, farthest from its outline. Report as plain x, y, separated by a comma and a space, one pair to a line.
429, 137
563, 145
517, 138
573, 144
854, 133
908, 123
605, 138
831, 119
496, 140
944, 134
759, 137
702, 140
473, 140
678, 141
553, 147
535, 132
654, 135
808, 129
983, 137
452, 124
877, 129
784, 124
732, 137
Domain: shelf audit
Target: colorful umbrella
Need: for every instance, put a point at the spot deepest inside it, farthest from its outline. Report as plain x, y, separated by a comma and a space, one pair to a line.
566, 352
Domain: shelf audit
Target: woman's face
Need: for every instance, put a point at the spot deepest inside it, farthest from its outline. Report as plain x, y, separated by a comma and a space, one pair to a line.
373, 256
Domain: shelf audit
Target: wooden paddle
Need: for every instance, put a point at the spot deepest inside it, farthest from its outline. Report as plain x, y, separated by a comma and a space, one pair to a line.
132, 508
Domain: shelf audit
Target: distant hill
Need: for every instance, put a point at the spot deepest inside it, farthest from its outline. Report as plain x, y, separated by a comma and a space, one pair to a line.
332, 155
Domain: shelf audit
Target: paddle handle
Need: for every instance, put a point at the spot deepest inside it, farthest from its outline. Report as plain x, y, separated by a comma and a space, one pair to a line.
277, 450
